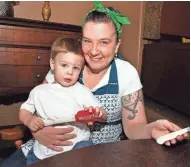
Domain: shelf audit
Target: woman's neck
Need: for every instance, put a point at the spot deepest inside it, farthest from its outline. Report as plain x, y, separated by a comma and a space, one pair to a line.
90, 71
91, 77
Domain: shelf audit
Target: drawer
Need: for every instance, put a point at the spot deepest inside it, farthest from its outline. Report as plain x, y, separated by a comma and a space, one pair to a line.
32, 36
22, 76
19, 56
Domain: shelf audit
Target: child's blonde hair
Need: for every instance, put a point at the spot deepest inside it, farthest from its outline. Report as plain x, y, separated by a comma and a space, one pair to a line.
66, 45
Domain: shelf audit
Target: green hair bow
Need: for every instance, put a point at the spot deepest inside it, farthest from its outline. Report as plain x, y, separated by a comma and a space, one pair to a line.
117, 18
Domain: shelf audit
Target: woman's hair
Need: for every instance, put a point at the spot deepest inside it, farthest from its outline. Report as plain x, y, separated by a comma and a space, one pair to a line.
99, 17
64, 45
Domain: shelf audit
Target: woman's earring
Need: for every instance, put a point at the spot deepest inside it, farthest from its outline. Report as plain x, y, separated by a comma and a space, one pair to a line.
52, 71
116, 55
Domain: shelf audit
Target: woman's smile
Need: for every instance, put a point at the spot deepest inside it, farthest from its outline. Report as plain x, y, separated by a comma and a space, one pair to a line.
96, 59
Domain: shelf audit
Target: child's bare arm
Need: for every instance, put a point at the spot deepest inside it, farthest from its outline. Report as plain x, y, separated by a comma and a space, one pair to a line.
31, 121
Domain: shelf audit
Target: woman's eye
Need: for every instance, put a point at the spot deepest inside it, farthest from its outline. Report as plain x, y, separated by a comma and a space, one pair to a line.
64, 65
104, 42
85, 41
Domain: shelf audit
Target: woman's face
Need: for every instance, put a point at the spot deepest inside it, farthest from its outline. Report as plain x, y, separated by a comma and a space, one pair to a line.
99, 44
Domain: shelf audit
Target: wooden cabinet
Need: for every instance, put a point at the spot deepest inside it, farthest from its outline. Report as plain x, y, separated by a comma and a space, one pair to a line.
25, 52
166, 74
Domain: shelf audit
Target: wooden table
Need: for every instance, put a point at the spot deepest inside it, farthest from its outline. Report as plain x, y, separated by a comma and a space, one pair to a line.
128, 153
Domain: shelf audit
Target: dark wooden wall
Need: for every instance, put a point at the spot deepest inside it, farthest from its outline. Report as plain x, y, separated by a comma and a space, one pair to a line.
166, 74
175, 18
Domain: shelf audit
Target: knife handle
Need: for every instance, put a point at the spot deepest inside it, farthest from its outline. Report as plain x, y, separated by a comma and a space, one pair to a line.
172, 135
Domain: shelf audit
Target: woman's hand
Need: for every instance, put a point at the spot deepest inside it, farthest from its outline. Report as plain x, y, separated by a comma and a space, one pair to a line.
163, 127
54, 137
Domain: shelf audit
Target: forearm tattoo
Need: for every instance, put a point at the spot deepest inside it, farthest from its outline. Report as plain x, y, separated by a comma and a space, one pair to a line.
130, 102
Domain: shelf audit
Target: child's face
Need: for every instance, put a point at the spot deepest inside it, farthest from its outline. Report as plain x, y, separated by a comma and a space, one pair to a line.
67, 68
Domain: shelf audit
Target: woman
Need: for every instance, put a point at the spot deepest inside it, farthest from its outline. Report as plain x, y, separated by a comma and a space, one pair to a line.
115, 83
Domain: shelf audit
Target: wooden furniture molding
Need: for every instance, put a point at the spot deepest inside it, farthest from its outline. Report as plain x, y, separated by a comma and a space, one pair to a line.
14, 21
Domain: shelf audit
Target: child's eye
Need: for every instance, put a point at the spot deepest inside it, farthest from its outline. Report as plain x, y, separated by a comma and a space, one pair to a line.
76, 68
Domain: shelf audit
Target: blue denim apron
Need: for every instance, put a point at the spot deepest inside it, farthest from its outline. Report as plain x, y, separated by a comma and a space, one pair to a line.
108, 97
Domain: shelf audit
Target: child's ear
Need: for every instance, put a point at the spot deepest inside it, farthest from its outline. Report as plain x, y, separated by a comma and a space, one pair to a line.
52, 64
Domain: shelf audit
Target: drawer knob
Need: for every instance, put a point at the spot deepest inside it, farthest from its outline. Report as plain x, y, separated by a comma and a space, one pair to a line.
38, 57
38, 76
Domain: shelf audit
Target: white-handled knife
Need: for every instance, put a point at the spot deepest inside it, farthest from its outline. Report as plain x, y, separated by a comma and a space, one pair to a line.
82, 116
172, 135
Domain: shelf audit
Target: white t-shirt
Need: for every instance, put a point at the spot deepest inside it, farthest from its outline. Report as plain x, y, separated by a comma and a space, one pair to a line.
54, 101
128, 78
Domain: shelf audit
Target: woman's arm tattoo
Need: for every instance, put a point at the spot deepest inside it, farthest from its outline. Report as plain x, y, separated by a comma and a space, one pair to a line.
130, 102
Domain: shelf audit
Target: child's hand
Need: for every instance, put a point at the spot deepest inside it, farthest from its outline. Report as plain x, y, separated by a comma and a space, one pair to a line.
100, 112
35, 124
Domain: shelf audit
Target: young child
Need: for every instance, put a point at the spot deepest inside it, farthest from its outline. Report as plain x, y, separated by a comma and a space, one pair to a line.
63, 98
